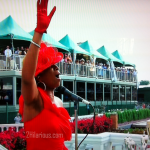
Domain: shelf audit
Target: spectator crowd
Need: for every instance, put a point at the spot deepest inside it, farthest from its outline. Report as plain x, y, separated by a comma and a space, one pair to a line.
82, 67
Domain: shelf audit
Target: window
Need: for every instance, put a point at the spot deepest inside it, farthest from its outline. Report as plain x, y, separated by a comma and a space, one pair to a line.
134, 93
141, 97
90, 91
128, 93
115, 92
69, 86
99, 92
107, 92
122, 93
18, 89
6, 91
81, 89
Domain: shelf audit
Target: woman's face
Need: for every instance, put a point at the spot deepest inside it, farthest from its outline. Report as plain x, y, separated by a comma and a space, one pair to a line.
50, 77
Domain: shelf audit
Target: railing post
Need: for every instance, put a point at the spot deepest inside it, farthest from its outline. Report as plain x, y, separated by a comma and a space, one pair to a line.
109, 146
7, 112
17, 129
2, 129
99, 146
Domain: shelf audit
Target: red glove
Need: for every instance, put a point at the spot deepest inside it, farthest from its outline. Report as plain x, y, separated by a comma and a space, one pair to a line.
43, 20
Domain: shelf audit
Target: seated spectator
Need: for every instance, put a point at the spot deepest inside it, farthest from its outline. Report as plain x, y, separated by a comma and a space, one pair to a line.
17, 51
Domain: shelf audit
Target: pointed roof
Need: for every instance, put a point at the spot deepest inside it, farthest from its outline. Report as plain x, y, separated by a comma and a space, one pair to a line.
87, 46
68, 42
9, 26
119, 56
47, 38
102, 50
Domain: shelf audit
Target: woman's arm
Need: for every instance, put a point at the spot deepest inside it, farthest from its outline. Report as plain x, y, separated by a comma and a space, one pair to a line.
29, 89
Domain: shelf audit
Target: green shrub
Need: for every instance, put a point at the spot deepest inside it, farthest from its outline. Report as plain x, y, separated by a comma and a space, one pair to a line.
132, 115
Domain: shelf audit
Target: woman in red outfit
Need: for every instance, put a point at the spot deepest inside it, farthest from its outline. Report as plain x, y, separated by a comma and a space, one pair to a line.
46, 122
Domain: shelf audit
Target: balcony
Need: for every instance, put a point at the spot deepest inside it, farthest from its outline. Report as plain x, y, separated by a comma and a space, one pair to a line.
16, 63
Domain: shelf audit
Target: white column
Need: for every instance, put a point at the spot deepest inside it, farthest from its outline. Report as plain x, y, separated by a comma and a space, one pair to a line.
110, 146
14, 91
98, 146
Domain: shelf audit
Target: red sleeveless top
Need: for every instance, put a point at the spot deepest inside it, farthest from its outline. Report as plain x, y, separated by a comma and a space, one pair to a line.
49, 129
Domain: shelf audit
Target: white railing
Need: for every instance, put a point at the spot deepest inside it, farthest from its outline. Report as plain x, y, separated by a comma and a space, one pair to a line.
95, 72
2, 147
15, 63
7, 126
84, 117
103, 141
11, 63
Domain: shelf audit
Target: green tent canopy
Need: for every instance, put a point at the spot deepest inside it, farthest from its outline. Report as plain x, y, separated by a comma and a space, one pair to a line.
119, 56
9, 27
47, 38
87, 47
102, 50
73, 48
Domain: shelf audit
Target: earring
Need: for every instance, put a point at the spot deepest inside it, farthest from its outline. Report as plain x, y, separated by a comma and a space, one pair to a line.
43, 84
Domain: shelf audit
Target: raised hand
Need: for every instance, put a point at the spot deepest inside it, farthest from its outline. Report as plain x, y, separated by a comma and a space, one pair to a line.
43, 20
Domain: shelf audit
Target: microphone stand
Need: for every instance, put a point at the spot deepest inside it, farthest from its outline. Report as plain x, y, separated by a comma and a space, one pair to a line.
76, 123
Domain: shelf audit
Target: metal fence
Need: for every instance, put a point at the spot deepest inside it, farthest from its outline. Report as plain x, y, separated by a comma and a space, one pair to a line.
11, 63
95, 72
15, 62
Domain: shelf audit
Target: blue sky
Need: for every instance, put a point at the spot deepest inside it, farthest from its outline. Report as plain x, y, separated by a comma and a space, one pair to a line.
122, 25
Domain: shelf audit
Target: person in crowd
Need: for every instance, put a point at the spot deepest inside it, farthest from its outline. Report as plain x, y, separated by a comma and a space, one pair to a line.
104, 70
134, 75
69, 62
82, 69
41, 111
128, 74
62, 59
92, 69
22, 52
8, 54
88, 109
66, 57
17, 119
69, 58
99, 70
26, 50
17, 51
96, 64
77, 67
143, 106
88, 63
77, 61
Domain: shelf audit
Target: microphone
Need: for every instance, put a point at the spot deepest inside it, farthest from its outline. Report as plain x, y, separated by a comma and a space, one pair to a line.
73, 96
